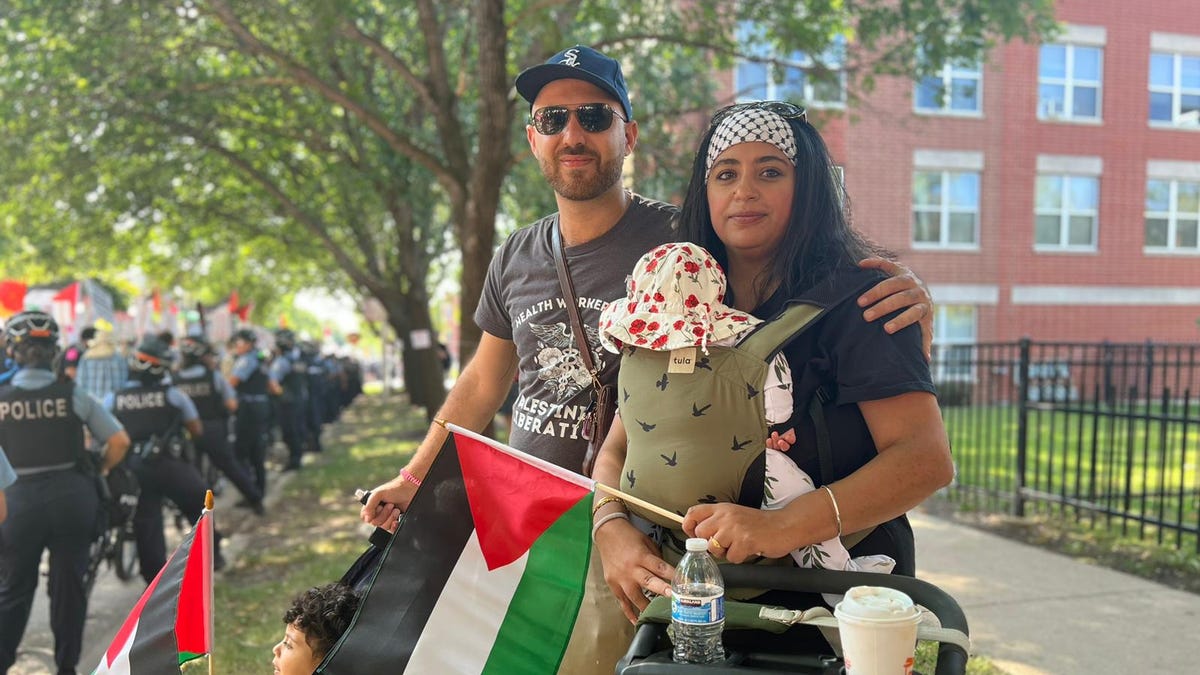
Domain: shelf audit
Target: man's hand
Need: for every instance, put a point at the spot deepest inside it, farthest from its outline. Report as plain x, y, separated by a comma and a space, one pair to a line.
387, 502
903, 289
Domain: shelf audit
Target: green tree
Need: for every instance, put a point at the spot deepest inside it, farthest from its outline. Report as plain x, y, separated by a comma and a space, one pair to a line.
350, 143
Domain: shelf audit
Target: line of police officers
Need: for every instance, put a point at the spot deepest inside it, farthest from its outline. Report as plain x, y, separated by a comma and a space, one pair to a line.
54, 503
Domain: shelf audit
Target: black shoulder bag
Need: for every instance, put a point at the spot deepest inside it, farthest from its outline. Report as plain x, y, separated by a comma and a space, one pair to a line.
599, 414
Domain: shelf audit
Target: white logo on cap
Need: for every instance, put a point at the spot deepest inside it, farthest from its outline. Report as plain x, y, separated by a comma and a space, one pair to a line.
570, 58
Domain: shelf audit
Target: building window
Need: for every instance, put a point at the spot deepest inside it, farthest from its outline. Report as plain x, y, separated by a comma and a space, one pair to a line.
1172, 216
954, 328
945, 209
1175, 89
1066, 212
756, 80
1069, 82
956, 90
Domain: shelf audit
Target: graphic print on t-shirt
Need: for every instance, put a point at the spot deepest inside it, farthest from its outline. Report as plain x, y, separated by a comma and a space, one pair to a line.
560, 364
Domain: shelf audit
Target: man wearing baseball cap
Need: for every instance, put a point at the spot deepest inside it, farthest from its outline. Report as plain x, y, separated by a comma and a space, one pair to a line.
581, 128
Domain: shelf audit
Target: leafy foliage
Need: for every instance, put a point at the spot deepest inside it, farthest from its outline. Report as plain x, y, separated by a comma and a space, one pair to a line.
270, 146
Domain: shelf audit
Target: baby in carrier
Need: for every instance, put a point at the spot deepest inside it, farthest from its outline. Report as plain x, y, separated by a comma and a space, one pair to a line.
674, 305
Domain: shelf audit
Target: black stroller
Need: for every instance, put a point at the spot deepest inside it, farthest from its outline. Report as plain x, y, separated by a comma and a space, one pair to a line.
650, 651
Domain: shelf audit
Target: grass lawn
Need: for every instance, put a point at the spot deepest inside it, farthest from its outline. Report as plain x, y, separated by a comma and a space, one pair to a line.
312, 534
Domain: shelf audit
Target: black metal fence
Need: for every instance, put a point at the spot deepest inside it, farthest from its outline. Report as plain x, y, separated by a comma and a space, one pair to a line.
1106, 434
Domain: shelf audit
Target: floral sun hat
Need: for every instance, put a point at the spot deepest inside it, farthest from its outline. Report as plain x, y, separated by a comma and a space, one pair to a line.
674, 298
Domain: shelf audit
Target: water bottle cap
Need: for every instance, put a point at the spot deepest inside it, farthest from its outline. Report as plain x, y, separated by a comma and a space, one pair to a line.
697, 544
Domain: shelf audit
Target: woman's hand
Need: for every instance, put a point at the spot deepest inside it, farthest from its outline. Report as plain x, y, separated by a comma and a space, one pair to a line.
632, 564
903, 289
738, 533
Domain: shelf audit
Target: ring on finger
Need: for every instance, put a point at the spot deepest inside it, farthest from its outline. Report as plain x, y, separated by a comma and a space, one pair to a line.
715, 544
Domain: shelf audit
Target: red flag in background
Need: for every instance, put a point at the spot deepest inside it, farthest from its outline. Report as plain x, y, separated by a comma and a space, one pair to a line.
283, 322
243, 312
156, 302
171, 623
233, 302
12, 297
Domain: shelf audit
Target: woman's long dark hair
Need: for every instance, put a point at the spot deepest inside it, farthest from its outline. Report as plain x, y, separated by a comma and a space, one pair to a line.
818, 239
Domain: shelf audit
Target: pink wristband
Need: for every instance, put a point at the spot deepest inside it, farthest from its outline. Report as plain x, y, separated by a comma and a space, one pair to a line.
408, 476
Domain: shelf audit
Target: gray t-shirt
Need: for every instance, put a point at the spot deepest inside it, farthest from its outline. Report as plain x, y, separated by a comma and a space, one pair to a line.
522, 301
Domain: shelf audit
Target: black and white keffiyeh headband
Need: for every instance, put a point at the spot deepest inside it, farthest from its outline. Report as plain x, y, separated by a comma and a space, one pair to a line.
747, 126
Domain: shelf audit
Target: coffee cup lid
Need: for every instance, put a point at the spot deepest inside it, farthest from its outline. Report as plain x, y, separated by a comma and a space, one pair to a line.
876, 603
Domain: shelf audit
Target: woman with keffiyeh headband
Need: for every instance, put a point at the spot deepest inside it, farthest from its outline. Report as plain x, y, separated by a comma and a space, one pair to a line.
765, 200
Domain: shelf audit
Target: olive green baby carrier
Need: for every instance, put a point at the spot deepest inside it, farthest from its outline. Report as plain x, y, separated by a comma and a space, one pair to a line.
700, 436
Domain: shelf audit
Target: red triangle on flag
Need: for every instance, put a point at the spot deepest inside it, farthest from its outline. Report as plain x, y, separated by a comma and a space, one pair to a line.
512, 501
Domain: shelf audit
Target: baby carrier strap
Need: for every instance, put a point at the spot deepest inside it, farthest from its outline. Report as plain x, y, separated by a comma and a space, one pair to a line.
769, 337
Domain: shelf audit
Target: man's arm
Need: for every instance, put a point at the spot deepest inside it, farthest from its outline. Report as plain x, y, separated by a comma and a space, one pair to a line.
114, 450
471, 403
903, 289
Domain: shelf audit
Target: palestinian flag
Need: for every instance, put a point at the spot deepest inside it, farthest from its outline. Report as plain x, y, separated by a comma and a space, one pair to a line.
484, 574
171, 623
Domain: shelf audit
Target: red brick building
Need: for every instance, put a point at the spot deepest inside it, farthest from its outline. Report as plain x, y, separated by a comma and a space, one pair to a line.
1053, 192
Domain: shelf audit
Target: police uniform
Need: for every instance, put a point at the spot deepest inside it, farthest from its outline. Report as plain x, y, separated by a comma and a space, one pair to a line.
253, 415
209, 392
158, 410
52, 505
315, 379
290, 372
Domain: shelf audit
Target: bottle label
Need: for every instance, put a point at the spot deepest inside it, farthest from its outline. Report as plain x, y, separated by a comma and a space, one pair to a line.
698, 610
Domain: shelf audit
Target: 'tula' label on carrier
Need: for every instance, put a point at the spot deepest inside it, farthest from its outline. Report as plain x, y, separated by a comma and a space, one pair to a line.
683, 360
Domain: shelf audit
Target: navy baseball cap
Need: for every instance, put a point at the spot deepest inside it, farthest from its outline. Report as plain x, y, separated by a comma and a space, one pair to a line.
578, 63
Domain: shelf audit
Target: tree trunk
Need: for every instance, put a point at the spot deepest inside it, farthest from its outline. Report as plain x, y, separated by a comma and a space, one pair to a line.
424, 379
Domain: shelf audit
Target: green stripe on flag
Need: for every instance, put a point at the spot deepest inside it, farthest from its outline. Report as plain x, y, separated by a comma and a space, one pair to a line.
541, 615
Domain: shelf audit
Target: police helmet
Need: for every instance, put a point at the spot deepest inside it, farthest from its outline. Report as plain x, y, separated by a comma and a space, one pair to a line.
151, 356
285, 339
246, 334
31, 325
309, 348
195, 346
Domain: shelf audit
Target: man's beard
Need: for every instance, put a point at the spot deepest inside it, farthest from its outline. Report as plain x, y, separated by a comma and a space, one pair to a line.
581, 188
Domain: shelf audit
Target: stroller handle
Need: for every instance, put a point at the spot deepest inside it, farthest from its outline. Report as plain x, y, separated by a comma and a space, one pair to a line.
952, 658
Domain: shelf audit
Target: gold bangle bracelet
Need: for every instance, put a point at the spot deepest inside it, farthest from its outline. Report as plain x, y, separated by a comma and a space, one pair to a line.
837, 513
607, 500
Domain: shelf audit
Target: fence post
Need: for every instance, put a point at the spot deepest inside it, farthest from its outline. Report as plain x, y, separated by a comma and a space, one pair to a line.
1022, 426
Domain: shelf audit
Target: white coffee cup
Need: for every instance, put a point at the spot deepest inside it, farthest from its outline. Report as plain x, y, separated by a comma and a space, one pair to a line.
878, 627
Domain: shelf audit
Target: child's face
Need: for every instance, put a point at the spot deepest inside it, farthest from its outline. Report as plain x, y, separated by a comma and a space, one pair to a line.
293, 655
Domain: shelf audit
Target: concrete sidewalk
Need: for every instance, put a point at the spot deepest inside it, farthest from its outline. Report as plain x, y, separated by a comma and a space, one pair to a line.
1034, 612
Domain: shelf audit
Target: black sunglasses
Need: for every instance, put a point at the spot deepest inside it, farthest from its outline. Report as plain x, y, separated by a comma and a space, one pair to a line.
593, 117
784, 109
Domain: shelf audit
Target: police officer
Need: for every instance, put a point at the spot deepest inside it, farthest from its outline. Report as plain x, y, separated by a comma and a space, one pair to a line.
54, 503
154, 414
288, 382
249, 379
314, 417
215, 399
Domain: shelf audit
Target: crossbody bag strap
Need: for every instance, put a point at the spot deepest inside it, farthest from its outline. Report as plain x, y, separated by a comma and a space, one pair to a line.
568, 291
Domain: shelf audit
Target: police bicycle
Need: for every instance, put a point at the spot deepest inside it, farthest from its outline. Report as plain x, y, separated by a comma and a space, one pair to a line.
114, 544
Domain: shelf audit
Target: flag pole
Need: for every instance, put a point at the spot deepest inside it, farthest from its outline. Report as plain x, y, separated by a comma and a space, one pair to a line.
552, 468
208, 507
625, 496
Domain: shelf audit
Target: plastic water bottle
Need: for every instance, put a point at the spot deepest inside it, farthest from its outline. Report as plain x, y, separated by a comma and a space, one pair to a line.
697, 606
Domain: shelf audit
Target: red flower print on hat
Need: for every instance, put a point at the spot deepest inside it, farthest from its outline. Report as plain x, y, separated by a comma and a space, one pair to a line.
678, 303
